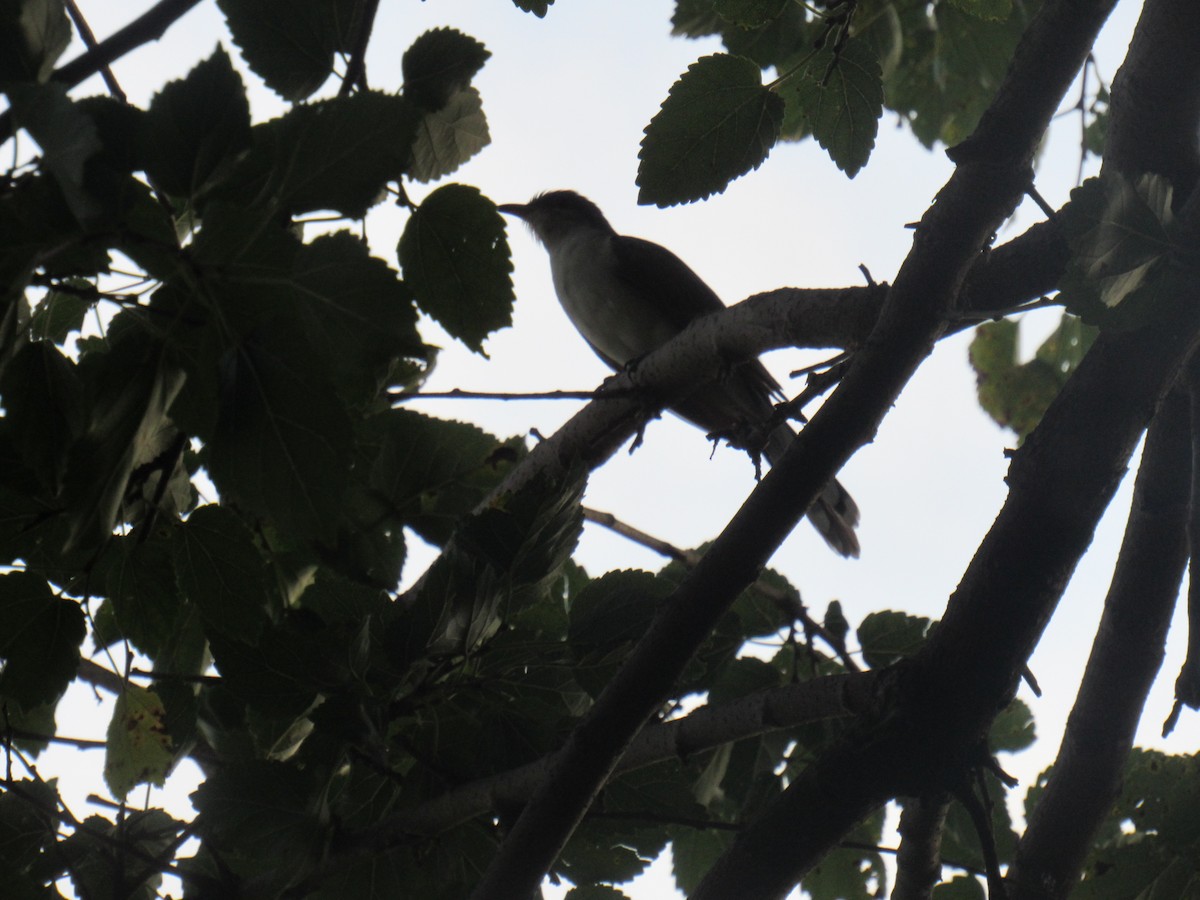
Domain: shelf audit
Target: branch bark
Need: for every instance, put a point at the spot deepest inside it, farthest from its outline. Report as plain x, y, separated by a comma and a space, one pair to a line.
1125, 659
982, 192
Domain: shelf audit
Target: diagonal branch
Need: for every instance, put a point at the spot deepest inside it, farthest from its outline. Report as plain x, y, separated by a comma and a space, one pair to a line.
981, 193
1124, 662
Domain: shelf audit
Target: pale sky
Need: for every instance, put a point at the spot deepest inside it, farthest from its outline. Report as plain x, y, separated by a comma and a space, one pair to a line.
567, 98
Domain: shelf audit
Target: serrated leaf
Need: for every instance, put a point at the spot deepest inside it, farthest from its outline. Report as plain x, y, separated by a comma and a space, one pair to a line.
138, 577
717, 123
888, 636
440, 64
330, 155
222, 572
282, 443
841, 98
33, 34
455, 257
537, 7
139, 748
291, 44
61, 312
196, 126
40, 636
449, 137
1119, 235
1013, 729
44, 403
432, 472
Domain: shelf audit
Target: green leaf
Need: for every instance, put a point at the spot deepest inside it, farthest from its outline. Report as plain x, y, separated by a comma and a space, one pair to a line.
196, 126
888, 636
841, 98
1013, 729
455, 258
291, 44
139, 578
40, 636
835, 621
1119, 232
960, 887
330, 155
985, 9
33, 34
45, 405
262, 813
139, 748
221, 571
718, 122
68, 138
537, 7
450, 136
433, 472
283, 438
439, 64
60, 313
1016, 394
356, 313
596, 892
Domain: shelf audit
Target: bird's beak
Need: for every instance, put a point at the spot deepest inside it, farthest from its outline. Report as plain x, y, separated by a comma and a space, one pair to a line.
513, 209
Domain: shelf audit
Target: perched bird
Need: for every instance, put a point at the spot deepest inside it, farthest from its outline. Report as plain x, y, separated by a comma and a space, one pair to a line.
628, 297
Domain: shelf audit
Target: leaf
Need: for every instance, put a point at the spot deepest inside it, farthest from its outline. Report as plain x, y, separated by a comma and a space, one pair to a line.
432, 472
888, 636
450, 136
537, 7
263, 813
40, 636
439, 65
330, 155
45, 406
718, 122
1119, 231
960, 887
1012, 729
139, 748
67, 136
749, 13
33, 34
282, 443
221, 571
455, 258
60, 313
355, 312
291, 44
196, 126
841, 98
985, 9
139, 578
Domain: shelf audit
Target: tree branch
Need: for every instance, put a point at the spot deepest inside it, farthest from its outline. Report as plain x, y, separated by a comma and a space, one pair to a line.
919, 862
980, 194
149, 26
1124, 661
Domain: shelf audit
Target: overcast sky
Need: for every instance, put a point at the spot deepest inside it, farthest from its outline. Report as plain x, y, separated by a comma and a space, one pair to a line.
567, 98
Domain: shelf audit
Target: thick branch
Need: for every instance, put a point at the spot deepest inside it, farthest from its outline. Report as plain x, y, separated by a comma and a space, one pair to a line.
1124, 662
949, 239
834, 696
1156, 97
958, 686
919, 862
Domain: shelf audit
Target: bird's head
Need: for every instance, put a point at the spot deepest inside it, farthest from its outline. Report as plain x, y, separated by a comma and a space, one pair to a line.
555, 215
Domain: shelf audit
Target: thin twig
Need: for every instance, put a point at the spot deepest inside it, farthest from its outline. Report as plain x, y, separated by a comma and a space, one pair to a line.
459, 394
89, 41
356, 71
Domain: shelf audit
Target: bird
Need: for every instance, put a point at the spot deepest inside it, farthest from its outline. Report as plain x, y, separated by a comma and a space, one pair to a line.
628, 296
